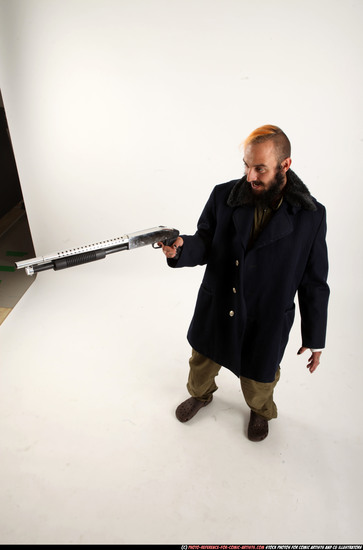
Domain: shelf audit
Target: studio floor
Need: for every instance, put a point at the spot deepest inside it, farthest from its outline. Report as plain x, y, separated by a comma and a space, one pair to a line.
94, 362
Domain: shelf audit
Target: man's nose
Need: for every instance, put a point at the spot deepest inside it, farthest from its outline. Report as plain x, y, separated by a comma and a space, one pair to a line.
251, 174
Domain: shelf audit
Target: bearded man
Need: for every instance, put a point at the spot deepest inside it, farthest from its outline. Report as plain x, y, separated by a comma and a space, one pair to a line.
263, 240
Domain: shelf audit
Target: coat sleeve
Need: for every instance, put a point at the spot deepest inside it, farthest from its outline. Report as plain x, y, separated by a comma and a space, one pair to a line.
313, 292
196, 248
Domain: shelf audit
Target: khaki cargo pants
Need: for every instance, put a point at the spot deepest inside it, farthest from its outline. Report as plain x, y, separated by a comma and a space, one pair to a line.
201, 385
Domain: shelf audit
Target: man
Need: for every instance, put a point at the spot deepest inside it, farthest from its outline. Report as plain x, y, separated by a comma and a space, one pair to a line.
262, 239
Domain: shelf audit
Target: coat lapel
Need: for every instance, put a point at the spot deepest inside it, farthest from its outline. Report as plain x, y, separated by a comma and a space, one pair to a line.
279, 226
243, 220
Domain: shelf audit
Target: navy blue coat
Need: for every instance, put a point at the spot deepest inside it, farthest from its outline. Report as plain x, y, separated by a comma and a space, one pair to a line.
245, 306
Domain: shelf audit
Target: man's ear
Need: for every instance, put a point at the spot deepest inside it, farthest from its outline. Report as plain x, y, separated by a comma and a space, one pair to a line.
285, 165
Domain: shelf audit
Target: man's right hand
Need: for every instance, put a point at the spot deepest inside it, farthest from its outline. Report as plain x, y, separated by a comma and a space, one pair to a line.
171, 251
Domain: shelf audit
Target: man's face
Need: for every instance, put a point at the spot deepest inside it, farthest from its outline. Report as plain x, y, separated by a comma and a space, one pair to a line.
262, 169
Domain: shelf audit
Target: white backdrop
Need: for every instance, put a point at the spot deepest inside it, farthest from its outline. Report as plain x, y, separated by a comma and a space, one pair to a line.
124, 114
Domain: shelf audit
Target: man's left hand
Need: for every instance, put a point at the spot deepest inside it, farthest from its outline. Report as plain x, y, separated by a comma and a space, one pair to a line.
314, 359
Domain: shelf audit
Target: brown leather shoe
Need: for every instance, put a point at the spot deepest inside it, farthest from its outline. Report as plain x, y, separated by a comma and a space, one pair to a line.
257, 428
189, 408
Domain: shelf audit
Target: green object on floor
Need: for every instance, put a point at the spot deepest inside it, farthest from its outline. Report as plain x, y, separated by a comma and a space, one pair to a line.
7, 268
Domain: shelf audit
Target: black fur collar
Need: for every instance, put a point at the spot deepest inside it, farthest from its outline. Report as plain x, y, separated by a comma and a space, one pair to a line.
295, 193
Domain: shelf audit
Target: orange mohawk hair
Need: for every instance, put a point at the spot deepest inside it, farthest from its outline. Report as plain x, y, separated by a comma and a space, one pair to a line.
274, 133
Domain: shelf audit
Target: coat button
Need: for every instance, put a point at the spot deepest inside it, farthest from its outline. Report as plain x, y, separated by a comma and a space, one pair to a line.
234, 290
237, 263
231, 313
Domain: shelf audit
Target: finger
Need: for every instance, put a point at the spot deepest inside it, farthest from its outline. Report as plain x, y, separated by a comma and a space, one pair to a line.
313, 367
162, 245
169, 251
313, 363
179, 242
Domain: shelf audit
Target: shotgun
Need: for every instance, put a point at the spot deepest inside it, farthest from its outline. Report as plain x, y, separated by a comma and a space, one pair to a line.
98, 251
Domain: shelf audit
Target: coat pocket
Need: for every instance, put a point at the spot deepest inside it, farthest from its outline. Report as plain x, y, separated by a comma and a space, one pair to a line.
206, 289
202, 330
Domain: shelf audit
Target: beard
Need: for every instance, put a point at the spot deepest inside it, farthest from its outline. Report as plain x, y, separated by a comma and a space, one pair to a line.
270, 195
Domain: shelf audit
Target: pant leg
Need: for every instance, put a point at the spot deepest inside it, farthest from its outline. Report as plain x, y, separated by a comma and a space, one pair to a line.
259, 396
202, 372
